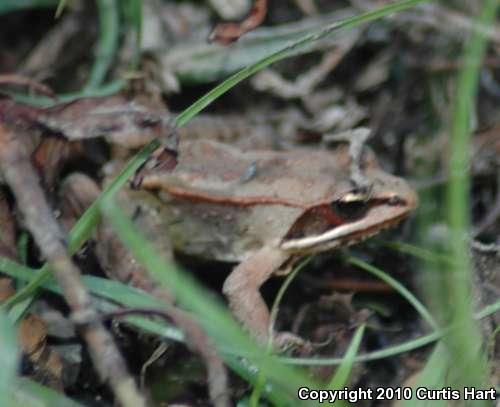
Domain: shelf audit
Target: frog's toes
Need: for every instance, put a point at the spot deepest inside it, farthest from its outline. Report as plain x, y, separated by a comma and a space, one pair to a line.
286, 341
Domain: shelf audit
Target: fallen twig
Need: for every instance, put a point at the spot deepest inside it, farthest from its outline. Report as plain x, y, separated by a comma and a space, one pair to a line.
19, 80
77, 193
22, 179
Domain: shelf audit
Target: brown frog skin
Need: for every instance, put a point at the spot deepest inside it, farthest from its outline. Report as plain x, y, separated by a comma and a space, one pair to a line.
264, 209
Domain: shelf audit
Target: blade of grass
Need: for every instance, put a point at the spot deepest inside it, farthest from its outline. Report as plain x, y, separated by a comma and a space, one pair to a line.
60, 8
107, 44
403, 291
107, 89
7, 6
19, 310
22, 247
9, 359
341, 376
469, 362
135, 298
287, 51
371, 356
259, 385
251, 375
113, 291
281, 293
132, 9
131, 297
432, 376
421, 253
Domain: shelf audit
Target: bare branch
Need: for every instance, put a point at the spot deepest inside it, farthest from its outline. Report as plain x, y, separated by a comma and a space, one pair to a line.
22, 179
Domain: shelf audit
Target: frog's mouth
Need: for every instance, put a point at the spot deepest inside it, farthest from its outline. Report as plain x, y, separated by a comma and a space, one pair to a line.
380, 214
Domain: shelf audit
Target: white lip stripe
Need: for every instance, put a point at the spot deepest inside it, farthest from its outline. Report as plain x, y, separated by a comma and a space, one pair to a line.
337, 233
332, 235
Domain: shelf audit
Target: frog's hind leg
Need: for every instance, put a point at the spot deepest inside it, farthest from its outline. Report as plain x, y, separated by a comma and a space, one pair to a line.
242, 290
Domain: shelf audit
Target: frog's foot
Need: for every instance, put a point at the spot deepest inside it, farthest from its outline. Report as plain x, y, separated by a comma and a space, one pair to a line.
285, 341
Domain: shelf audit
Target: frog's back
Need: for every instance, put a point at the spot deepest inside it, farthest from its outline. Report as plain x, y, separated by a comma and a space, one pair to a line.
300, 177
225, 204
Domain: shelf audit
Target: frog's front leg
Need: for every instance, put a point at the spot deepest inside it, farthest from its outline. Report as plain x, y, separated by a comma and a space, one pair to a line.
242, 290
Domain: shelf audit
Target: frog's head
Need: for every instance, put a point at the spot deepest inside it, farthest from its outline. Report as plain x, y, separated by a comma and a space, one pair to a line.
352, 213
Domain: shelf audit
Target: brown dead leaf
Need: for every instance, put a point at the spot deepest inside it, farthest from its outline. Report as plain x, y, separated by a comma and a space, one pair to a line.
128, 122
7, 245
132, 123
51, 155
6, 289
53, 135
227, 33
47, 365
7, 230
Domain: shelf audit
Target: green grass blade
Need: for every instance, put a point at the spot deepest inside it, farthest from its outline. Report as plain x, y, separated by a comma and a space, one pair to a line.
113, 291
418, 252
130, 297
403, 291
7, 6
341, 376
60, 8
287, 51
29, 290
107, 89
132, 9
464, 344
19, 310
258, 388
281, 292
248, 373
432, 376
9, 359
371, 356
107, 45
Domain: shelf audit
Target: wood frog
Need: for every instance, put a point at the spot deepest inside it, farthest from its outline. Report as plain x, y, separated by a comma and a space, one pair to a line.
265, 209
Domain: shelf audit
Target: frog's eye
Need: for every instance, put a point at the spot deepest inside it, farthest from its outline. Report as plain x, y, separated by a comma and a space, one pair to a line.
351, 206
